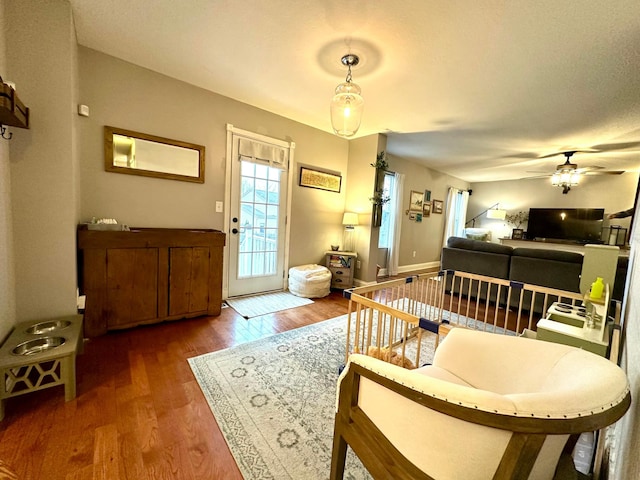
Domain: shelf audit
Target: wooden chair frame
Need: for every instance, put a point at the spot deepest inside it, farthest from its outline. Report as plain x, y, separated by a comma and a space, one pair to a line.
353, 428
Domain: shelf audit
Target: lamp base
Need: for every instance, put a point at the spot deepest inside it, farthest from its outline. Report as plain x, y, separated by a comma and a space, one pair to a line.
348, 240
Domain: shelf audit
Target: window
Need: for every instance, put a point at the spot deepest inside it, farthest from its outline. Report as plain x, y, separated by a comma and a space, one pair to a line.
385, 236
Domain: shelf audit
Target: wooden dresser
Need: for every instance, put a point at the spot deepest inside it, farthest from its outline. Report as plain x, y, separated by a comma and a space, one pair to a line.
148, 275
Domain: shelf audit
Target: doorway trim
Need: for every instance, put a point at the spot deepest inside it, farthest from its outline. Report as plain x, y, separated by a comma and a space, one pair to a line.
231, 132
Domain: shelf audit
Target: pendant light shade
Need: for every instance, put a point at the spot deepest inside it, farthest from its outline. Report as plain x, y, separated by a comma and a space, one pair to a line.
347, 103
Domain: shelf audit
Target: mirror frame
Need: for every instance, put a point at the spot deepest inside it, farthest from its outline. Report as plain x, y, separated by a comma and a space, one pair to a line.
110, 167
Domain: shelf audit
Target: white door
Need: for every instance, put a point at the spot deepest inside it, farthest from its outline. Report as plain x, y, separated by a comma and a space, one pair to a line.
258, 208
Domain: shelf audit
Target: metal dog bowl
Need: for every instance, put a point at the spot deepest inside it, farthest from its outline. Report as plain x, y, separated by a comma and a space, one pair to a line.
47, 327
38, 345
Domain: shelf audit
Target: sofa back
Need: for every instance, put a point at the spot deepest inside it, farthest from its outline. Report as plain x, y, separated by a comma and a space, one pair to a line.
475, 256
547, 268
557, 269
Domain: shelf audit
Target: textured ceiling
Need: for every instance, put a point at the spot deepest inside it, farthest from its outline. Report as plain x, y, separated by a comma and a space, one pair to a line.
476, 89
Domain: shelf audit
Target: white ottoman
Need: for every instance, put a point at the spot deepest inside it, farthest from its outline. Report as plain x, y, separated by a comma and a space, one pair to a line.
310, 281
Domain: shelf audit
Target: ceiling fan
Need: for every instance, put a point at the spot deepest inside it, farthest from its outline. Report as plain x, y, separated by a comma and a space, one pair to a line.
568, 174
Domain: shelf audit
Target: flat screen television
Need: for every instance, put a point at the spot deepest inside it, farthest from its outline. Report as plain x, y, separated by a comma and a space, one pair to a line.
580, 225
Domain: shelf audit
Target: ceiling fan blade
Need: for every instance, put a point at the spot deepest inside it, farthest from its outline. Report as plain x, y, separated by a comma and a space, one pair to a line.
536, 176
571, 151
604, 172
612, 147
589, 169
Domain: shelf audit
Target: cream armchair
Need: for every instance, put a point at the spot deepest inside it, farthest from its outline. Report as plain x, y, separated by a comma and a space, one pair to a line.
490, 406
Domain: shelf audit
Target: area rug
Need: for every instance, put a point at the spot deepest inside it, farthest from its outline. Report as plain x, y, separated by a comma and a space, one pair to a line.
274, 400
257, 305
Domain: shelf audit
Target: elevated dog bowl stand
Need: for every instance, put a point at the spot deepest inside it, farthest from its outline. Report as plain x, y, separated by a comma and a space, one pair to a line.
45, 366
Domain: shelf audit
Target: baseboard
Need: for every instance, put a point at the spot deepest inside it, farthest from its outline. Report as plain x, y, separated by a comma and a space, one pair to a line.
418, 266
361, 283
403, 269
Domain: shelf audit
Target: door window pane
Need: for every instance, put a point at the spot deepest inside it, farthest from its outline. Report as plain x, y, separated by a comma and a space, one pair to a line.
259, 217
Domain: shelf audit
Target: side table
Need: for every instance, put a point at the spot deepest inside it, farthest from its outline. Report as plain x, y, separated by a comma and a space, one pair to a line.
342, 266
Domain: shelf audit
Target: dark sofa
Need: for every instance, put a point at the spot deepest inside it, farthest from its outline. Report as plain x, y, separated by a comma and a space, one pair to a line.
547, 268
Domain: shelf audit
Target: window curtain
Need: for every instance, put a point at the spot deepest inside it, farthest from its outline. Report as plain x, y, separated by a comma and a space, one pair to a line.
258, 152
395, 226
456, 214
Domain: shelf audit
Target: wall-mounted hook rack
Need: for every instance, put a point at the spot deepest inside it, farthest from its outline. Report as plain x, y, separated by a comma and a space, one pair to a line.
12, 111
4, 130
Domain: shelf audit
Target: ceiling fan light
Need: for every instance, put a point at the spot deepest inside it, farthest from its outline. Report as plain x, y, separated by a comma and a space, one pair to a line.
555, 179
575, 178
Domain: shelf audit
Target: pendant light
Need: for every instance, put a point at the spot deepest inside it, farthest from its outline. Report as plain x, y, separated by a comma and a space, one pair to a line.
347, 104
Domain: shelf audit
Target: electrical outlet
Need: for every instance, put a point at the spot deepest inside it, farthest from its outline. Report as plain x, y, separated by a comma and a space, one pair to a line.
414, 254
358, 264
219, 207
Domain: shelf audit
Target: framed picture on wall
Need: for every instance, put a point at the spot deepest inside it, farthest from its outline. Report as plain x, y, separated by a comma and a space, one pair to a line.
418, 217
426, 208
412, 216
436, 206
318, 179
427, 195
415, 201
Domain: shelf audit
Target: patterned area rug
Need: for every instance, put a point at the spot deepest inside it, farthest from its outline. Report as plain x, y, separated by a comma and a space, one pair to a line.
257, 305
274, 400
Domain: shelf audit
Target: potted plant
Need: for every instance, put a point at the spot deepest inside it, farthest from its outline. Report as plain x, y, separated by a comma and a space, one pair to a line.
379, 198
517, 220
381, 162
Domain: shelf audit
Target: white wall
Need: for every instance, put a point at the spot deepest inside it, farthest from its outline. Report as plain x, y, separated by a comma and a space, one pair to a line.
424, 238
124, 95
627, 437
40, 53
362, 153
7, 279
611, 192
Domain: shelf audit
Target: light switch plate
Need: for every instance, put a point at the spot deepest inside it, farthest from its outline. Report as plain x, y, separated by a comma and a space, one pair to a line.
219, 207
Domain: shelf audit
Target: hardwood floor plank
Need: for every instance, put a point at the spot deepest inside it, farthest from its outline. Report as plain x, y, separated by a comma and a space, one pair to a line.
85, 473
106, 453
139, 414
56, 456
131, 465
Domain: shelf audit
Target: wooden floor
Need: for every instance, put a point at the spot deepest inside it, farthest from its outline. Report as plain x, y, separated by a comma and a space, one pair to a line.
139, 413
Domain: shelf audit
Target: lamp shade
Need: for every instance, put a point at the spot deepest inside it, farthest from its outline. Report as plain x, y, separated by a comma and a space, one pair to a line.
347, 106
350, 219
496, 214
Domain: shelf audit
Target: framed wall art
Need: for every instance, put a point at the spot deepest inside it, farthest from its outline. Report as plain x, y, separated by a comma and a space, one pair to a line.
517, 234
436, 206
426, 208
318, 179
415, 201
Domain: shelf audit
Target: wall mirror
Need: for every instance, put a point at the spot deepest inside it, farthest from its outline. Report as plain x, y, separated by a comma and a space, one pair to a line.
138, 153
